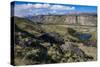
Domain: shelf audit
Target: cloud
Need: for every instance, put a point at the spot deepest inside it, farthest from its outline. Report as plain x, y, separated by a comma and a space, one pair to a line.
23, 6
27, 6
54, 7
32, 9
41, 5
22, 9
60, 7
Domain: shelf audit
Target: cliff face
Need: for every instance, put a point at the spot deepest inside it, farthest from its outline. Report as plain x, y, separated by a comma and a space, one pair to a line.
89, 20
60, 20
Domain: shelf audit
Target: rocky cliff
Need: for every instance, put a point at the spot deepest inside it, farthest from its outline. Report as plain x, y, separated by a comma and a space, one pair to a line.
75, 19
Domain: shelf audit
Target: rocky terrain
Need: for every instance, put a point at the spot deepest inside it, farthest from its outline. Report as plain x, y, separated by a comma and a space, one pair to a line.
75, 19
53, 39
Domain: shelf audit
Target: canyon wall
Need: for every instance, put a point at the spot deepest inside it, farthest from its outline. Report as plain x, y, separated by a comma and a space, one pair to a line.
88, 20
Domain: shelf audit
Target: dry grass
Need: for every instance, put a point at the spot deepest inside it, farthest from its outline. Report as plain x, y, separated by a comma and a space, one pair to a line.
92, 51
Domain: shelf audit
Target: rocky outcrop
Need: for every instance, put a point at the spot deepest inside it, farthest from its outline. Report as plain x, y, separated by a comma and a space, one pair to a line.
75, 19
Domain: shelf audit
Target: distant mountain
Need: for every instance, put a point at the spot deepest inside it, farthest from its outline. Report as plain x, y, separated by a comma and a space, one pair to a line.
71, 18
35, 19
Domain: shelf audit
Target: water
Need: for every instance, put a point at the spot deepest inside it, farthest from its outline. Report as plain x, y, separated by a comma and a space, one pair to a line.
83, 36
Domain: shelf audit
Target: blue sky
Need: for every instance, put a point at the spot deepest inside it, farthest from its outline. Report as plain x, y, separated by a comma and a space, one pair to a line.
37, 8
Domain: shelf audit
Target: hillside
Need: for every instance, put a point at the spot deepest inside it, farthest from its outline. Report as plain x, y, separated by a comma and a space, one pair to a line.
29, 48
27, 25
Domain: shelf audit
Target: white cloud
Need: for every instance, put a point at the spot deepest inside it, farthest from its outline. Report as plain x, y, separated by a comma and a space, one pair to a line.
27, 6
60, 7
23, 6
41, 5
52, 7
30, 9
24, 9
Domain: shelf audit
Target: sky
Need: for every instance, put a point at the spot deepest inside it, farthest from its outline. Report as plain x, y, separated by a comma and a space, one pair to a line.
22, 9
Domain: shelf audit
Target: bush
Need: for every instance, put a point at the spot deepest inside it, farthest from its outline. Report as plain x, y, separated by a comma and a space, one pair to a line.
71, 31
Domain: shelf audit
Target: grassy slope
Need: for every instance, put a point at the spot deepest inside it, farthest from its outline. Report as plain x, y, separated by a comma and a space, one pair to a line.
34, 29
27, 25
